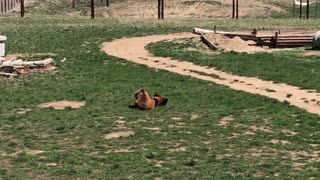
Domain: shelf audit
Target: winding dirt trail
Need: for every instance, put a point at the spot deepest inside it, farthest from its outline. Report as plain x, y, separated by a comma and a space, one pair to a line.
133, 49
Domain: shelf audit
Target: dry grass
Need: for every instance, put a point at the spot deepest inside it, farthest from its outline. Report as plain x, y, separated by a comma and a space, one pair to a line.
187, 8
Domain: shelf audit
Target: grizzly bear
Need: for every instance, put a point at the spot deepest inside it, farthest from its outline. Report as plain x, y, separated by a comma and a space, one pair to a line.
144, 102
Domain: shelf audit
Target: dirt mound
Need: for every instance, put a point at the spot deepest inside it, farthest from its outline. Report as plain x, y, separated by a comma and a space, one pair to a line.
234, 44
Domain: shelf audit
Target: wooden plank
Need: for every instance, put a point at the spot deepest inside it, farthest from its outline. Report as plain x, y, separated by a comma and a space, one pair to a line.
7, 74
208, 43
28, 63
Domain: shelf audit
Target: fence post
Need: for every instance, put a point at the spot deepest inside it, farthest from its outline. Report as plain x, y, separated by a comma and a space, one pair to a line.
233, 9
5, 6
276, 40
237, 15
22, 8
92, 9
107, 3
300, 9
162, 9
1, 4
159, 9
308, 6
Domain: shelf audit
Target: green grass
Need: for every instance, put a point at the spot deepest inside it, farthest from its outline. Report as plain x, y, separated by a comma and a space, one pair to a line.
190, 143
290, 67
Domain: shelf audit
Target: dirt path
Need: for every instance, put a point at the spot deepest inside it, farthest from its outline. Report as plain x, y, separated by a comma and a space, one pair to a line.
133, 49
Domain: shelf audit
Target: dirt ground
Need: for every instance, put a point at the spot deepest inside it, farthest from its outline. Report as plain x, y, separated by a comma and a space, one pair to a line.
190, 8
59, 105
133, 49
234, 44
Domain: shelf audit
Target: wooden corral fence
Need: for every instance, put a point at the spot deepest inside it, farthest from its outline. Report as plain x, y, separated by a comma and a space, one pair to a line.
8, 5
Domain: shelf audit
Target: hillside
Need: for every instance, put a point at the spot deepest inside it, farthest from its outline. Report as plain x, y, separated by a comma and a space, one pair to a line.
173, 8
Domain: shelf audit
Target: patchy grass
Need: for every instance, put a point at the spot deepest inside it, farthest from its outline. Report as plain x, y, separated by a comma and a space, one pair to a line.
290, 67
184, 139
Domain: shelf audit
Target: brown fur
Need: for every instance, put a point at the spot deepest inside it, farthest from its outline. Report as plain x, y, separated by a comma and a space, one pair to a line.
144, 102
160, 100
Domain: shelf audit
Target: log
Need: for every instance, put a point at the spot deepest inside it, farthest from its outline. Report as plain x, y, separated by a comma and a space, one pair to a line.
8, 74
208, 43
19, 62
200, 31
229, 34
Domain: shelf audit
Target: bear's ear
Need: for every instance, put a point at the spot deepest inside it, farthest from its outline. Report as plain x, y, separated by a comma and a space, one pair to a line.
156, 94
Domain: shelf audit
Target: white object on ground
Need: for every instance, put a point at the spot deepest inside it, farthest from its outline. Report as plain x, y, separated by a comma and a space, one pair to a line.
297, 3
2, 45
316, 40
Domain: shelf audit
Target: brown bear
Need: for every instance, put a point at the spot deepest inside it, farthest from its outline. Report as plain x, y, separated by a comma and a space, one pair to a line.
144, 102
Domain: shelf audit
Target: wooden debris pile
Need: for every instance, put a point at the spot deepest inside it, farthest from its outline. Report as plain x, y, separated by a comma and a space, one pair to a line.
13, 67
278, 40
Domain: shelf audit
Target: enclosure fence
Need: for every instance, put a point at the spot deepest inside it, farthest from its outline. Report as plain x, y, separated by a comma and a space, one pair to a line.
8, 5
236, 9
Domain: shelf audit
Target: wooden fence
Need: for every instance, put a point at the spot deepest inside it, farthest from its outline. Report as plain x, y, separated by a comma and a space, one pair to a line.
8, 5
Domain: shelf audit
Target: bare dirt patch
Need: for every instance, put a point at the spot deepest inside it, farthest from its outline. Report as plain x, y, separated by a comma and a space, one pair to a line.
159, 164
289, 133
178, 149
27, 151
311, 53
283, 142
194, 116
119, 151
176, 118
154, 129
59, 105
23, 110
225, 121
133, 49
119, 134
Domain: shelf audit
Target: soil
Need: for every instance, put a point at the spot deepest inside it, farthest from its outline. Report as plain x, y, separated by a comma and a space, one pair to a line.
119, 134
234, 44
187, 8
59, 105
225, 120
133, 49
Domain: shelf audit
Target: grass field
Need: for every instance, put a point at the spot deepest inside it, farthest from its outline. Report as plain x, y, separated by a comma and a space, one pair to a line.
206, 131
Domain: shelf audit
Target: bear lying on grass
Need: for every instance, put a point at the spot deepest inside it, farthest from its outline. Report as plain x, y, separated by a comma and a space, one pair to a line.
144, 102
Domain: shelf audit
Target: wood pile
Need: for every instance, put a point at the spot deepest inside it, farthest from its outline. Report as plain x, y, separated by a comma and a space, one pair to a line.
13, 67
272, 41
287, 41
